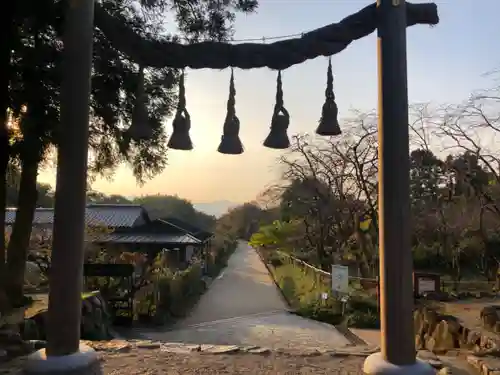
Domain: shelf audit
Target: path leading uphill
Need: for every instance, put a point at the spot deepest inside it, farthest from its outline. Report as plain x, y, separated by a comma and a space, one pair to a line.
244, 307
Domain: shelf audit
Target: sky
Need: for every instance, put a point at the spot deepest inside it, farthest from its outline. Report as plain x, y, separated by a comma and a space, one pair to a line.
445, 64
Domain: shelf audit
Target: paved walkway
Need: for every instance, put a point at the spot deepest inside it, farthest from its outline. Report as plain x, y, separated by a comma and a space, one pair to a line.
244, 307
243, 288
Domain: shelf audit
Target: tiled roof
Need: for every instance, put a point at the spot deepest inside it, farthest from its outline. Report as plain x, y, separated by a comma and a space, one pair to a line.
152, 227
167, 239
42, 216
115, 215
110, 215
199, 233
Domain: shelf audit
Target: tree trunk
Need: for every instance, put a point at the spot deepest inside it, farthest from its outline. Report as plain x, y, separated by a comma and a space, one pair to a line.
5, 305
4, 161
8, 35
17, 250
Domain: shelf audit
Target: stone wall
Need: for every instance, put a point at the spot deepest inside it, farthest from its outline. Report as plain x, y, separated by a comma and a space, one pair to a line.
441, 333
20, 335
11, 342
95, 321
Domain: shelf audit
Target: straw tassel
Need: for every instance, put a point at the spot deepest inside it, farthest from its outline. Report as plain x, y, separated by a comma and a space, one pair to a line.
328, 123
278, 137
230, 143
140, 129
180, 139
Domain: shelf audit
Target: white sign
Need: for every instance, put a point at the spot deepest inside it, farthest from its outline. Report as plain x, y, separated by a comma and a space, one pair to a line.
324, 296
340, 278
426, 285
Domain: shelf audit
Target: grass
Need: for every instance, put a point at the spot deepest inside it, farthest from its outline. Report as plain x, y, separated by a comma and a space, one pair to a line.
298, 287
303, 292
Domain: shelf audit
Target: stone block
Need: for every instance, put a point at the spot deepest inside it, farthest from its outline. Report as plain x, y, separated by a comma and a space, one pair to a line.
147, 344
445, 371
179, 348
259, 351
109, 346
489, 317
220, 349
4, 356
442, 338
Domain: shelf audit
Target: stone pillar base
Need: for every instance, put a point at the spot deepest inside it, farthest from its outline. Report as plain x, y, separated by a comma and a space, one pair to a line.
375, 364
83, 362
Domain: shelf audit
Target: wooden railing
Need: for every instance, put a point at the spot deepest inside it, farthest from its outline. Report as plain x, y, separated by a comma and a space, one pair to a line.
369, 284
372, 284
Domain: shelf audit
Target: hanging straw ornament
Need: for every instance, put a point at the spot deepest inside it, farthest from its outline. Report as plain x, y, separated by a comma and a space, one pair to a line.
180, 139
140, 128
230, 143
278, 137
328, 124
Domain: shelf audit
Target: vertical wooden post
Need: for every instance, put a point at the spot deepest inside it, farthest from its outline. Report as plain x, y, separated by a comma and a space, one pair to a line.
396, 295
66, 276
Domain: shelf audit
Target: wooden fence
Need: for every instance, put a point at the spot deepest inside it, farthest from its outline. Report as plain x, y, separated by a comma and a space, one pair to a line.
371, 284
324, 277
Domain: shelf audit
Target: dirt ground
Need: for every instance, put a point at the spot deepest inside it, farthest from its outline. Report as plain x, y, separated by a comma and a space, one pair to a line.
468, 311
147, 362
168, 363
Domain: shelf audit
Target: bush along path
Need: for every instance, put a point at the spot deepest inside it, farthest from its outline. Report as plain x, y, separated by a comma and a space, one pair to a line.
303, 293
244, 307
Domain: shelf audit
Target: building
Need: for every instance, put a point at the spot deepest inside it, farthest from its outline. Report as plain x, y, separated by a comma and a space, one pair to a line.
130, 228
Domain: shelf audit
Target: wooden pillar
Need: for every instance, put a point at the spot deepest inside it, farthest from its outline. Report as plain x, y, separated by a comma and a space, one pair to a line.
397, 355
398, 344
66, 278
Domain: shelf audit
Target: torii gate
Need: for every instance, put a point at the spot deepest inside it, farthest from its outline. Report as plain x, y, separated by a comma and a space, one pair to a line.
389, 17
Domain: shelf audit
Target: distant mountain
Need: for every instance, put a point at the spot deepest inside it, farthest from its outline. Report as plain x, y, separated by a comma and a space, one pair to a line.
216, 208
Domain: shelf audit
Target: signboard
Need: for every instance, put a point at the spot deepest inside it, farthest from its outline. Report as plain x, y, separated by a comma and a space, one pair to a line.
340, 278
426, 285
110, 270
425, 282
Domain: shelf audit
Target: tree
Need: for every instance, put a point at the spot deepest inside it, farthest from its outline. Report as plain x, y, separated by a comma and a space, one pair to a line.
98, 197
34, 78
242, 221
280, 235
334, 183
330, 187
164, 206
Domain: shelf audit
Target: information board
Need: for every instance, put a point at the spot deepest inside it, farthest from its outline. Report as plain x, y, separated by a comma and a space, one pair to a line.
340, 279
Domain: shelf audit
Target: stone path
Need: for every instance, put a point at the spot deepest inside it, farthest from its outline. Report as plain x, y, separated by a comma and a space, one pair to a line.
243, 288
244, 307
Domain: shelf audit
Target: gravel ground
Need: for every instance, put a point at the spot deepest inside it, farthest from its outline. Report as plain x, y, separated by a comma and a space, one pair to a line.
149, 363
153, 362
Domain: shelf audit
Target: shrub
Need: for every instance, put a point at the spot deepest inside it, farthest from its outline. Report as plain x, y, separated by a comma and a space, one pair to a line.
221, 256
303, 290
362, 319
177, 291
364, 304
275, 260
329, 311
